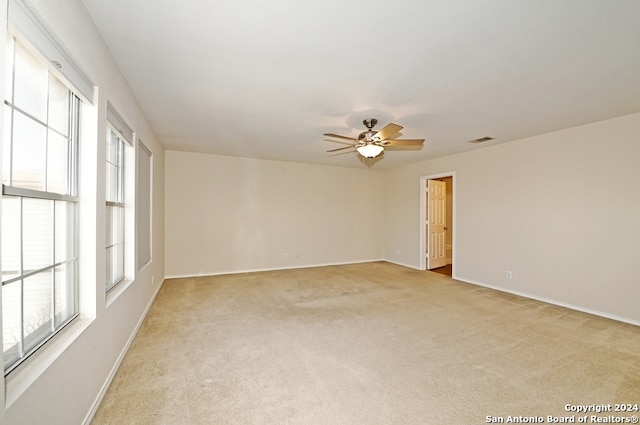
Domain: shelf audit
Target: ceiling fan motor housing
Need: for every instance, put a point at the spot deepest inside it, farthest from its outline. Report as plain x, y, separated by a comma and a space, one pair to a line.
367, 136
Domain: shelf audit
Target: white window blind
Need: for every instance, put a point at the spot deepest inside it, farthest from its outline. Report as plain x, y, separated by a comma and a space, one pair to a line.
24, 22
119, 124
144, 205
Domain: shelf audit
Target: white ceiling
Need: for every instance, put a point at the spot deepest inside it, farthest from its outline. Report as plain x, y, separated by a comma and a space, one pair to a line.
266, 79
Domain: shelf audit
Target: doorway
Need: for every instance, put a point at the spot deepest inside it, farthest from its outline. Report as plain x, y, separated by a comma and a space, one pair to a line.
437, 224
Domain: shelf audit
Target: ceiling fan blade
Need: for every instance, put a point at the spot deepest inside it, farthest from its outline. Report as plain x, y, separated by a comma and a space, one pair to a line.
341, 137
388, 130
340, 149
350, 142
404, 142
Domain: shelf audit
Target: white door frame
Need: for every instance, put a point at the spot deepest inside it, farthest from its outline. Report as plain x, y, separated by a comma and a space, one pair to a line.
423, 218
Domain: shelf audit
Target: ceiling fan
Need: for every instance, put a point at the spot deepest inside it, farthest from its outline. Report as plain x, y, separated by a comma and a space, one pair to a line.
371, 143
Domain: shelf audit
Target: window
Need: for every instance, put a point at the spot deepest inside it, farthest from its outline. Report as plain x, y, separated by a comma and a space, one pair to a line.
39, 205
118, 138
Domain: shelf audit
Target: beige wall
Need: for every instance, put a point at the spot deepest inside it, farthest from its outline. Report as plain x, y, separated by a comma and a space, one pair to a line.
559, 210
226, 214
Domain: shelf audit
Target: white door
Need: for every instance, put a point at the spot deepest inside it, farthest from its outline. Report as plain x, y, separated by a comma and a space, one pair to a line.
436, 224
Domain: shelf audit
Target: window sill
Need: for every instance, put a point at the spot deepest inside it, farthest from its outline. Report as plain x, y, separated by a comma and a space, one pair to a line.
117, 290
26, 374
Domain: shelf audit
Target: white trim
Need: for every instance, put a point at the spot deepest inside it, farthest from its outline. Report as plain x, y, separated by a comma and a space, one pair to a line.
554, 302
471, 282
38, 194
269, 269
423, 217
397, 263
114, 292
121, 356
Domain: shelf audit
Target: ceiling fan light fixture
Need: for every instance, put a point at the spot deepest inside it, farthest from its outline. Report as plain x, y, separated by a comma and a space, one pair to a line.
370, 150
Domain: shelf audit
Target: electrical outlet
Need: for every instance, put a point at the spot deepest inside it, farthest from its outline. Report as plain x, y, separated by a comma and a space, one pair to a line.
509, 274
285, 256
398, 252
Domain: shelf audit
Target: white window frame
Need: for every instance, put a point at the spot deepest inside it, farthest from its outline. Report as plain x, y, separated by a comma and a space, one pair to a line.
115, 211
57, 320
118, 238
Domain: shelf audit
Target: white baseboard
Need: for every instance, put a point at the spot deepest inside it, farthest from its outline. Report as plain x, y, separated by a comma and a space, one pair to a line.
470, 281
397, 263
116, 366
554, 302
305, 266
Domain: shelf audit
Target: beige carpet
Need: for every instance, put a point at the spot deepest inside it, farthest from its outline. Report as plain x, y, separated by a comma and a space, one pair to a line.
363, 344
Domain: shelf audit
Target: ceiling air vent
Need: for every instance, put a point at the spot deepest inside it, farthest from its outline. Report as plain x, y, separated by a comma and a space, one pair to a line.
481, 140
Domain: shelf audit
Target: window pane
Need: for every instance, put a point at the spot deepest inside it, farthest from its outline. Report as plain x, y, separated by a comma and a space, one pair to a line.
115, 265
112, 148
58, 106
37, 233
31, 84
6, 146
118, 262
109, 222
10, 237
65, 293
118, 225
11, 331
29, 147
57, 163
110, 273
115, 225
112, 183
38, 295
114, 168
115, 245
65, 231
